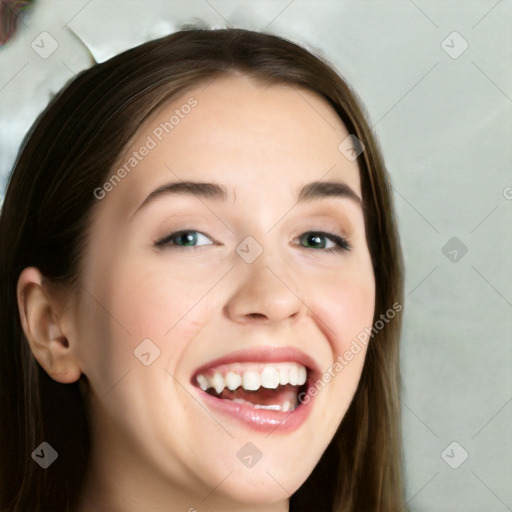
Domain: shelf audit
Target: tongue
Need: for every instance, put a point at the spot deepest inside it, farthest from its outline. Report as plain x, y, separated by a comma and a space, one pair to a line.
263, 396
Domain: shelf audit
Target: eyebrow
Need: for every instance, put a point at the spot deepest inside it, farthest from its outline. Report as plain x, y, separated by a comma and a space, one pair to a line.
312, 191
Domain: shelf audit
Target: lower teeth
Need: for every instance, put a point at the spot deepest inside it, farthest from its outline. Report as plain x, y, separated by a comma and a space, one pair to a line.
286, 407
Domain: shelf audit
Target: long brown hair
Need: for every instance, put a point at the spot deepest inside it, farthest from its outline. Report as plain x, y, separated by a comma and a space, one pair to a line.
44, 223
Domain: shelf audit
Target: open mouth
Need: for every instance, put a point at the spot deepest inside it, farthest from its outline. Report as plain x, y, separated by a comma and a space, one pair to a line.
267, 386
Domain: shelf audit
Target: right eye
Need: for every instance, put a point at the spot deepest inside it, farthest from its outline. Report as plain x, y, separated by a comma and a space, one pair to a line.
182, 239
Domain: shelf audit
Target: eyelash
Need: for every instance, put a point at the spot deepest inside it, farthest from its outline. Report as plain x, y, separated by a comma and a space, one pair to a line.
342, 244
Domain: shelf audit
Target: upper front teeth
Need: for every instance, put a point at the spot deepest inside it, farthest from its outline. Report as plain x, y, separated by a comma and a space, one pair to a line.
233, 380
268, 376
250, 381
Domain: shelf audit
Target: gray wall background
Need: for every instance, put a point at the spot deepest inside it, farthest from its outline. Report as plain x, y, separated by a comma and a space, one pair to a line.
442, 113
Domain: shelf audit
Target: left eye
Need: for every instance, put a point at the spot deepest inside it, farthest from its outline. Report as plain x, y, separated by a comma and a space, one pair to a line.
316, 239
311, 239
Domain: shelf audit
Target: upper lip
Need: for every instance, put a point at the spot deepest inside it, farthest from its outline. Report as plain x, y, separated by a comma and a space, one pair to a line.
263, 354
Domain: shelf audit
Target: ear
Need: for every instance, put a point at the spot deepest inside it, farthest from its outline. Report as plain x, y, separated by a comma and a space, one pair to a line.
43, 327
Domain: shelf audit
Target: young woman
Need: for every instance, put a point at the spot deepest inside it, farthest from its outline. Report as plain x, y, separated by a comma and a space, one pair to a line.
201, 290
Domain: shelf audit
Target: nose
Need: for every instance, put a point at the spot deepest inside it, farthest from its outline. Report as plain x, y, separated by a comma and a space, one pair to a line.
265, 291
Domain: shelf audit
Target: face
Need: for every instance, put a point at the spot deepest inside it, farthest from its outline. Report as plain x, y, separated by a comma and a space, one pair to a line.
207, 310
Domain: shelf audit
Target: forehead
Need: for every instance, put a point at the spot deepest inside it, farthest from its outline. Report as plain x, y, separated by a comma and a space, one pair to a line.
254, 137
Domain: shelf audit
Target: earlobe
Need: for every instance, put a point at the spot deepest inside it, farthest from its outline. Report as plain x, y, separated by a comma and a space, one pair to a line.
42, 325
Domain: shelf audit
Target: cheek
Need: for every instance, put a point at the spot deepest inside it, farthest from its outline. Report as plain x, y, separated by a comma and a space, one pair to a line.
165, 304
343, 304
357, 304
127, 305
149, 299
346, 304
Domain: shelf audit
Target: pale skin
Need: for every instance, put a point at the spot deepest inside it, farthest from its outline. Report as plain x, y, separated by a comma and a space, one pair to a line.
155, 446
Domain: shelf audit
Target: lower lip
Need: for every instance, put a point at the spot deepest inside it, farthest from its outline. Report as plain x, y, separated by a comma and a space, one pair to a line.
262, 420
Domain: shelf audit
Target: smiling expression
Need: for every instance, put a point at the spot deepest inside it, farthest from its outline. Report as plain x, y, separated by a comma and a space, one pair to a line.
245, 289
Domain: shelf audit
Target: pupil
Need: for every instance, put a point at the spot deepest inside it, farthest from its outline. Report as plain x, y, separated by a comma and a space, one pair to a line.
187, 237
315, 239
